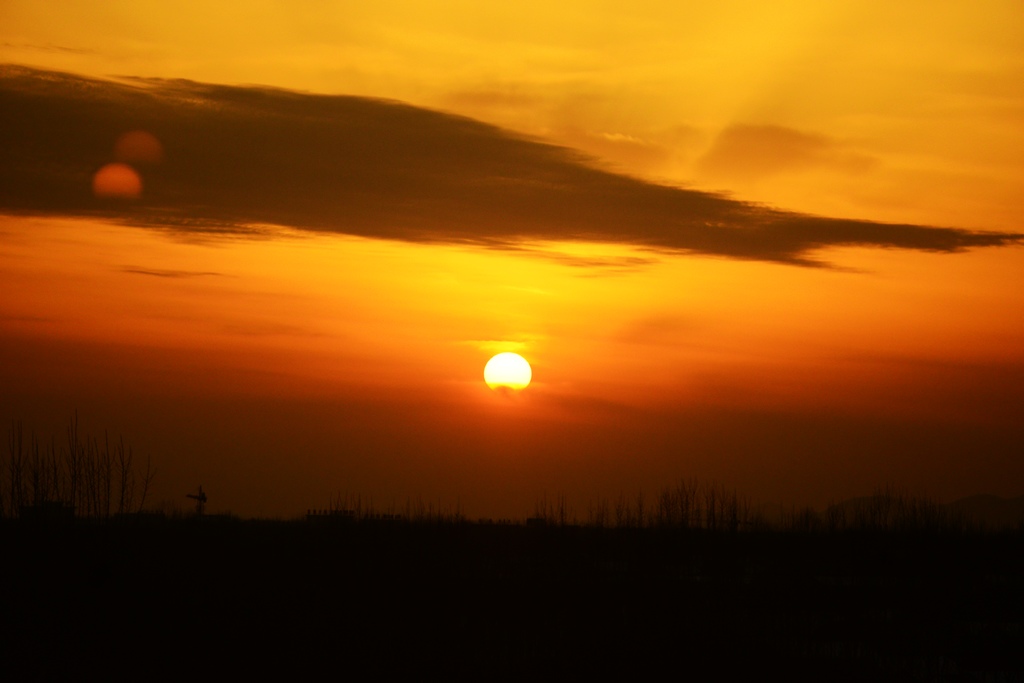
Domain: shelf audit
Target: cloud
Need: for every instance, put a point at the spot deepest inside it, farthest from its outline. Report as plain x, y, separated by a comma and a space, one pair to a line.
657, 330
172, 274
594, 265
746, 152
493, 97
49, 48
243, 156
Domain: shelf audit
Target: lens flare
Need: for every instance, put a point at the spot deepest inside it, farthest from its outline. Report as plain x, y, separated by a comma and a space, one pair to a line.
138, 147
118, 181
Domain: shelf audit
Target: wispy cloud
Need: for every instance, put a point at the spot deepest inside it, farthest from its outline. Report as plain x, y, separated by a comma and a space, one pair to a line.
748, 152
47, 47
595, 265
240, 156
172, 274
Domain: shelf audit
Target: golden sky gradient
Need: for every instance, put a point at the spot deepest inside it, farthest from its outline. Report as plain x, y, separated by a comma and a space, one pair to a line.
303, 296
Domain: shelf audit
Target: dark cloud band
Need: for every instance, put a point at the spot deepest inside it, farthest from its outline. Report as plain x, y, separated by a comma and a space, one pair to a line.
239, 156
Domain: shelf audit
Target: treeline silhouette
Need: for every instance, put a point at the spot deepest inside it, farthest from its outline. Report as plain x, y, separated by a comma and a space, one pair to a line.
82, 476
86, 476
693, 505
692, 581
350, 507
689, 504
429, 594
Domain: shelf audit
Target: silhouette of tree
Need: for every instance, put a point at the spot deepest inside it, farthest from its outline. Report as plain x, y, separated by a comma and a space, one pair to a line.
86, 477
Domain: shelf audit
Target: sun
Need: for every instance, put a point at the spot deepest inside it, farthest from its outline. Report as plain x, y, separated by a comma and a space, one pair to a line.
507, 371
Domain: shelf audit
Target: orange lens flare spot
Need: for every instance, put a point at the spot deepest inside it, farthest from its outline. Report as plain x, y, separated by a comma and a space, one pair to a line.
138, 147
118, 181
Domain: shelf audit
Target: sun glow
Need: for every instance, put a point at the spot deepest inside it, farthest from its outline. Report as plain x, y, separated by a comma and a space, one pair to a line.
508, 371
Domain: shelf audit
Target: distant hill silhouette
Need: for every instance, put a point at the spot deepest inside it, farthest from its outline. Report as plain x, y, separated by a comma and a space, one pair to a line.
991, 511
891, 509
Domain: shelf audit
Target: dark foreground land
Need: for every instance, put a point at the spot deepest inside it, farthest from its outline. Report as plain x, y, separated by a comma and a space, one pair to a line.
210, 599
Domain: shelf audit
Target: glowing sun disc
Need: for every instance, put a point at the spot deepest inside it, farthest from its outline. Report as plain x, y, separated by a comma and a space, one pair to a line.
508, 370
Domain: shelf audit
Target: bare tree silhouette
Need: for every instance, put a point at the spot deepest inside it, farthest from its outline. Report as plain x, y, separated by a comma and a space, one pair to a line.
85, 477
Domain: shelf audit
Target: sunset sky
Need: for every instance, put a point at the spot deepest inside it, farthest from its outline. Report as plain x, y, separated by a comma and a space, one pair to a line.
772, 246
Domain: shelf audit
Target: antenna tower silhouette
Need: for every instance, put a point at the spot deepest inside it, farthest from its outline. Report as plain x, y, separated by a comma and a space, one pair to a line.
200, 499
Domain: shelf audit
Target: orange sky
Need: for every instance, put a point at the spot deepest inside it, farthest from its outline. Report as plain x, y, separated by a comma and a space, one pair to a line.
280, 335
